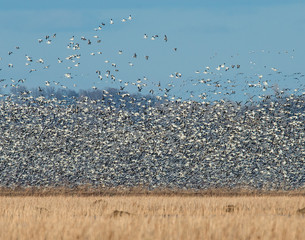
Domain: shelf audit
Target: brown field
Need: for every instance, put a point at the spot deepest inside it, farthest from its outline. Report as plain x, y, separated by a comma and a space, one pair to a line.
29, 215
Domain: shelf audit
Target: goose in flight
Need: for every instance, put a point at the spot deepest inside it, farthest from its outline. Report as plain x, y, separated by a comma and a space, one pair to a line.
40, 60
28, 58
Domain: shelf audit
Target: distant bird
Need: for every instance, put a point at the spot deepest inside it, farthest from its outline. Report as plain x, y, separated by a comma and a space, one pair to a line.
68, 75
165, 38
28, 58
111, 21
40, 60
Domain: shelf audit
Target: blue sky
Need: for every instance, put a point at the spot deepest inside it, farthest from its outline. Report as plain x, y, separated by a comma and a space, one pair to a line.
132, 4
258, 35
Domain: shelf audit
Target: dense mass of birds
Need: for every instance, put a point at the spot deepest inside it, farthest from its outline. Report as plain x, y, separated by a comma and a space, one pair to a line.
110, 137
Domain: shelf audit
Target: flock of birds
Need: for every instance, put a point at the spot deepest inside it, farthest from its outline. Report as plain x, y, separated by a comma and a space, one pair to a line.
111, 138
73, 61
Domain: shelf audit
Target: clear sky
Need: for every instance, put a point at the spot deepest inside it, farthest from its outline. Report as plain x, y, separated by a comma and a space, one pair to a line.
265, 37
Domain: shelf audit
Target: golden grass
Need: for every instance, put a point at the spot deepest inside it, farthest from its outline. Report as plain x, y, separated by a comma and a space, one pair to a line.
152, 217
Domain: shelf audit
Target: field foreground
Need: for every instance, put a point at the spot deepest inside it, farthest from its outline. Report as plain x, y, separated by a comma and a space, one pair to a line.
152, 217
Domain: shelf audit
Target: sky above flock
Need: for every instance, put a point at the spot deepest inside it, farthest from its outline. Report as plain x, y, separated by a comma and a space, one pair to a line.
259, 35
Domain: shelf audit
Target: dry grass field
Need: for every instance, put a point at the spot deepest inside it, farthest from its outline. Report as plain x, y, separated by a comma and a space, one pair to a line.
155, 216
